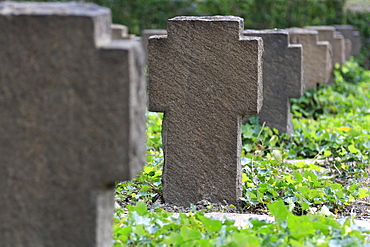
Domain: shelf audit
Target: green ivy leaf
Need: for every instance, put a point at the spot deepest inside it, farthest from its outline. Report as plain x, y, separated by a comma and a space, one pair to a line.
211, 225
277, 155
140, 208
189, 234
173, 239
363, 192
244, 240
352, 149
300, 226
279, 210
273, 140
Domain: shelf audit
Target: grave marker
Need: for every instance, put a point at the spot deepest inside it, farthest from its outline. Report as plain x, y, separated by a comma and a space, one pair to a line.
328, 33
357, 44
348, 31
204, 76
282, 78
72, 122
348, 44
317, 58
348, 47
121, 32
145, 34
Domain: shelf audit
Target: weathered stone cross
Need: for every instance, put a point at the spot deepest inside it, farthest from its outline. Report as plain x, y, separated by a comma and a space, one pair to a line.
204, 76
72, 122
317, 56
328, 33
348, 31
282, 78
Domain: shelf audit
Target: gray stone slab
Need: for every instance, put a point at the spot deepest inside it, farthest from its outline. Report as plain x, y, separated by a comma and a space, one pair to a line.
348, 47
72, 122
348, 44
348, 31
121, 32
317, 56
282, 78
357, 44
204, 76
328, 33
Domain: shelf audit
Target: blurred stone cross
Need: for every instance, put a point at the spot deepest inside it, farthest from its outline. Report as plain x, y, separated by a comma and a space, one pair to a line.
282, 78
204, 76
349, 33
72, 122
328, 33
317, 56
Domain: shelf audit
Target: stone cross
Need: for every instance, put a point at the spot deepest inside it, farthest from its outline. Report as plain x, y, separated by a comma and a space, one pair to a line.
348, 31
357, 44
72, 122
282, 78
328, 33
317, 56
348, 44
121, 32
145, 34
204, 76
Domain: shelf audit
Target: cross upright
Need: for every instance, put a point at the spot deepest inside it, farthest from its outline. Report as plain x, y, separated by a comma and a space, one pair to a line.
72, 122
145, 34
328, 33
348, 31
204, 76
282, 78
317, 56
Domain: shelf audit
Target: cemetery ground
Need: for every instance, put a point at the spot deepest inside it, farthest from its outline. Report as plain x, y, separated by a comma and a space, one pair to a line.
307, 198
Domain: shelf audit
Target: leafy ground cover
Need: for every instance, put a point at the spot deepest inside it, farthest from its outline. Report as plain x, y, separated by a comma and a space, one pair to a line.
143, 227
332, 129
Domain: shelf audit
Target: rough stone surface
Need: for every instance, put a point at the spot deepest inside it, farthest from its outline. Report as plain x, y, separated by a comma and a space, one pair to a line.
282, 78
145, 34
328, 33
348, 31
72, 122
317, 56
204, 76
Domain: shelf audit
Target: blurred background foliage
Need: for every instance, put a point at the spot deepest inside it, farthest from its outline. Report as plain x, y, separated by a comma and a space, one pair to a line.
257, 14
261, 14
362, 21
